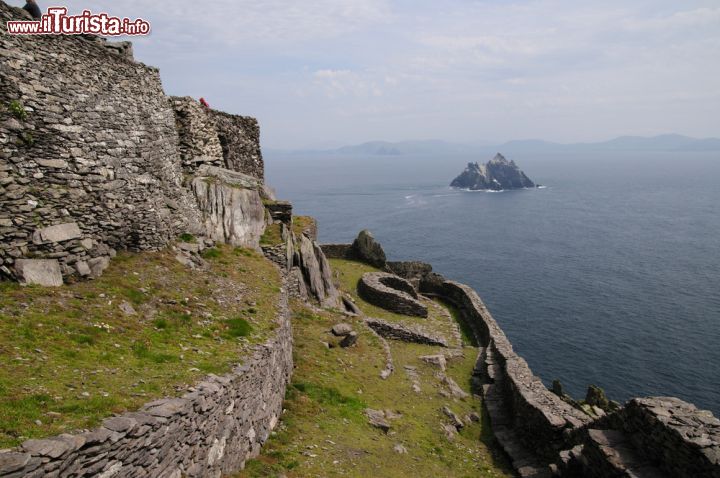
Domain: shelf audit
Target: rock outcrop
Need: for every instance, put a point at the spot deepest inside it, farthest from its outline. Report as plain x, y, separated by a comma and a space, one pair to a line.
316, 271
367, 249
231, 206
498, 174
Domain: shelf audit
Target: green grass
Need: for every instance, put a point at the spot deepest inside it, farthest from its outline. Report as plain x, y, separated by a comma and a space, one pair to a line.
325, 432
70, 357
238, 327
189, 238
272, 235
302, 223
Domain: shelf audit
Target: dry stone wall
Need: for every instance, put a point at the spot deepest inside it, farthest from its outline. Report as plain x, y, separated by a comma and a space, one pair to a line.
208, 432
540, 417
391, 293
96, 158
663, 434
91, 164
337, 251
217, 138
239, 138
199, 143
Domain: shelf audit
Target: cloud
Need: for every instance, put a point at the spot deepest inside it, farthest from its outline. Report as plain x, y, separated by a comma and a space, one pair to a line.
682, 20
341, 83
355, 70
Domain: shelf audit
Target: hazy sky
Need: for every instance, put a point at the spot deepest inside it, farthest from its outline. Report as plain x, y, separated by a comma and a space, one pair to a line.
329, 72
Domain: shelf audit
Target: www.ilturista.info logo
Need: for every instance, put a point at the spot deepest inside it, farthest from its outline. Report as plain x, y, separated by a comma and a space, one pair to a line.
57, 22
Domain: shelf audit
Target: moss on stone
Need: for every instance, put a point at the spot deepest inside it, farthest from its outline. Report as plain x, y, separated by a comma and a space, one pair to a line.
272, 235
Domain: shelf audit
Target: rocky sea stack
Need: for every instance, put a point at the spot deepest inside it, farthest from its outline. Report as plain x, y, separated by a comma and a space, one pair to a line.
497, 175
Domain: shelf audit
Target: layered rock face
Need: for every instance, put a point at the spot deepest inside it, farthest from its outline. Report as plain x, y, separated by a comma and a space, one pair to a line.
496, 175
231, 206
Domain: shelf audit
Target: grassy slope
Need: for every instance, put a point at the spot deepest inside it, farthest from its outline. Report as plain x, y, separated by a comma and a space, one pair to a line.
71, 357
324, 432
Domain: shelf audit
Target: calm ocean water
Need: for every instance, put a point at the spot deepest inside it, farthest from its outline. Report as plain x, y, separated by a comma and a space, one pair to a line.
610, 275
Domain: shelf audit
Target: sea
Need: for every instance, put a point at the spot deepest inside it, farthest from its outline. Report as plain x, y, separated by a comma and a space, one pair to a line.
608, 275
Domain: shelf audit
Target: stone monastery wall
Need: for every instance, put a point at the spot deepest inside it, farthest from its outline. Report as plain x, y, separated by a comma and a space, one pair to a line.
96, 158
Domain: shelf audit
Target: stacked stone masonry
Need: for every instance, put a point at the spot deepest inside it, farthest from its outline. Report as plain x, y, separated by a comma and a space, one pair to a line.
404, 333
658, 437
208, 432
391, 293
95, 158
217, 138
540, 417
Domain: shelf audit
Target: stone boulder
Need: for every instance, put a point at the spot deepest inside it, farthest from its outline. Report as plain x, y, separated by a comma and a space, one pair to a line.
341, 330
317, 273
43, 272
349, 340
376, 418
367, 249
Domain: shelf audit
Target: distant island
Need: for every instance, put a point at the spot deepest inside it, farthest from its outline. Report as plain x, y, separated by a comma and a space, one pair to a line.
498, 174
660, 143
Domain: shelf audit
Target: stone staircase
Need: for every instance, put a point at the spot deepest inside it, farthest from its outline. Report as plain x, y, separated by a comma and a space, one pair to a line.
489, 376
607, 454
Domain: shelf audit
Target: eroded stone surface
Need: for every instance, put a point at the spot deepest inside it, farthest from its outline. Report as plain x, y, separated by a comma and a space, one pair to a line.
231, 213
367, 249
44, 272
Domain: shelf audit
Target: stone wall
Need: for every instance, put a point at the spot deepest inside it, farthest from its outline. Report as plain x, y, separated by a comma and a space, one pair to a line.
546, 436
663, 434
199, 143
218, 139
94, 154
208, 432
413, 271
404, 333
539, 420
391, 293
337, 251
685, 441
239, 138
96, 158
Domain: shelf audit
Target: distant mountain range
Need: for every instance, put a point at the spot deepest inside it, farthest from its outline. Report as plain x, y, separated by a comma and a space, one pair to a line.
666, 142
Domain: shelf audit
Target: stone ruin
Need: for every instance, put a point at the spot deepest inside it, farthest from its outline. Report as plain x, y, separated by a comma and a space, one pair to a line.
391, 293
96, 158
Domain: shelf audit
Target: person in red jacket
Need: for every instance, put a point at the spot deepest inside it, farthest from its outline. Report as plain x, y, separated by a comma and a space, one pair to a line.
204, 103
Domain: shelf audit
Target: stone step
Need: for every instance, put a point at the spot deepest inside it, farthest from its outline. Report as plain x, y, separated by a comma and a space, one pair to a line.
609, 453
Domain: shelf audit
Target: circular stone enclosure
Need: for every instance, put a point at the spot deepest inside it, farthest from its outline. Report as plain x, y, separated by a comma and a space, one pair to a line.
392, 293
